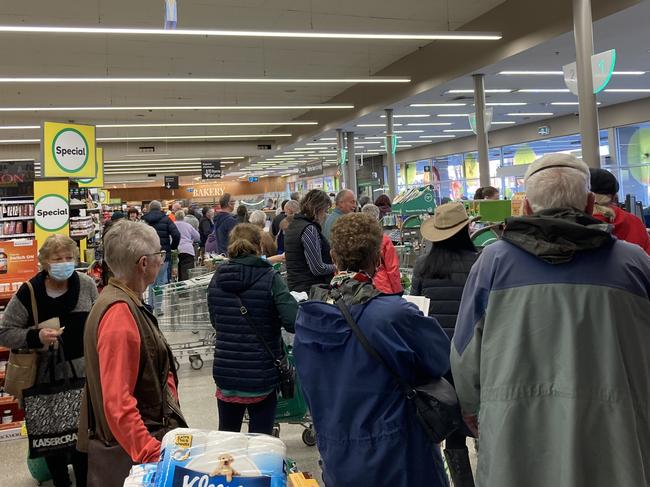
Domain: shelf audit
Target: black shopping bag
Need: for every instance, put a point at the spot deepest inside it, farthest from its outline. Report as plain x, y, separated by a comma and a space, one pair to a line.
52, 409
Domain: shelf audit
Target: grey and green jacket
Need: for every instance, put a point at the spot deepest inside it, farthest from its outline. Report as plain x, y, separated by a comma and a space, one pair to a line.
551, 351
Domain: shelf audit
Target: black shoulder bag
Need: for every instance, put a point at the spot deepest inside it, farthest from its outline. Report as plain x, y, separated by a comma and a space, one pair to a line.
286, 370
436, 403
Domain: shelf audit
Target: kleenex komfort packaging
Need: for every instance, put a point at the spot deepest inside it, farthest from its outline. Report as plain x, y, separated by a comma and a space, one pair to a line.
201, 458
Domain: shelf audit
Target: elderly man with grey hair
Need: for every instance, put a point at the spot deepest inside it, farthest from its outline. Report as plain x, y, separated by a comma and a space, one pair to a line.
346, 202
131, 381
550, 351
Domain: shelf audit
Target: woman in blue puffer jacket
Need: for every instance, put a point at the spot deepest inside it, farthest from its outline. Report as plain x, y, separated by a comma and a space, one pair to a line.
367, 431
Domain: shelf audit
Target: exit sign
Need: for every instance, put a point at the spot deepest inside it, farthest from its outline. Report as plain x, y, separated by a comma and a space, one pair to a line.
544, 130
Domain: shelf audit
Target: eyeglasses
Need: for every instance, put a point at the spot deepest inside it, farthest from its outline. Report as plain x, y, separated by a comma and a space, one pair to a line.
161, 253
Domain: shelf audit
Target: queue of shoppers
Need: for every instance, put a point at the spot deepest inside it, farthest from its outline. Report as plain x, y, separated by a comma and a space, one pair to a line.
558, 284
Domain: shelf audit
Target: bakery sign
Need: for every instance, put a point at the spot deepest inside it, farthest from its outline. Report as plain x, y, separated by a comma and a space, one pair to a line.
207, 191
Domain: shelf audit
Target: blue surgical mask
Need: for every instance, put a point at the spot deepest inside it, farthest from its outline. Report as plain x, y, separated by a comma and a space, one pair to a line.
61, 271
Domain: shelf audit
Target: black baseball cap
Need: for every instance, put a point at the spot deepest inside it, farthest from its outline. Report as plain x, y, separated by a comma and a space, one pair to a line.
603, 182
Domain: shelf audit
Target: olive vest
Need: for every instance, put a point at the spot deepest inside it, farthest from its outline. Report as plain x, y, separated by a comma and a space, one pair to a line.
158, 408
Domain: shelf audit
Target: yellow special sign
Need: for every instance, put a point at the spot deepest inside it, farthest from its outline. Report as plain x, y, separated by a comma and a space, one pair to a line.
51, 210
98, 181
68, 150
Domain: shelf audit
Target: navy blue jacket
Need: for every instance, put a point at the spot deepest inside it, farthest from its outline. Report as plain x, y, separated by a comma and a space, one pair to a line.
223, 224
166, 229
241, 363
368, 433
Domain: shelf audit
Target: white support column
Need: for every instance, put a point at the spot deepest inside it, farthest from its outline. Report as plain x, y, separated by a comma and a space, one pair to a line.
390, 155
481, 132
352, 165
340, 159
584, 39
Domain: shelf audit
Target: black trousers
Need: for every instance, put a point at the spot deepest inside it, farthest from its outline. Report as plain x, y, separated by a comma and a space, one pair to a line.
185, 263
57, 464
261, 415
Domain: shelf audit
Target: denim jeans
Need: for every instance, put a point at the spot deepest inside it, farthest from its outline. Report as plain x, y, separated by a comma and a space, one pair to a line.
161, 279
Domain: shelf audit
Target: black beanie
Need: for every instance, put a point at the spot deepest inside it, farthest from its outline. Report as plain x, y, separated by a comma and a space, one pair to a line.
603, 182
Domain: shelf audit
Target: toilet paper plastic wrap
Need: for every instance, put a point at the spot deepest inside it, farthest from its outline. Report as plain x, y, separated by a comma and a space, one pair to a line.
141, 475
202, 458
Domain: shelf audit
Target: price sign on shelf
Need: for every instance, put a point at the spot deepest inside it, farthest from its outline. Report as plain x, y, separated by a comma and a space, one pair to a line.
211, 169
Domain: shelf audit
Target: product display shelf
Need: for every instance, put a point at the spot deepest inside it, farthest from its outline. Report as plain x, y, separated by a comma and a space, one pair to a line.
18, 235
11, 415
10, 218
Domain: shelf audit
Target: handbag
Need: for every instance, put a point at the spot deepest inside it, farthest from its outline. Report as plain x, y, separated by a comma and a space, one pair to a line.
211, 243
286, 370
436, 404
22, 365
52, 409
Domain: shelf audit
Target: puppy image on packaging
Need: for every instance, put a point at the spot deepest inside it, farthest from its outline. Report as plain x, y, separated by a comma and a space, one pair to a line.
225, 468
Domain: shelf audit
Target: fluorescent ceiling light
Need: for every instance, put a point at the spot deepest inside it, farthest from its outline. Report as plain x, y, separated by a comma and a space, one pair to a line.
500, 90
561, 73
321, 143
198, 159
504, 123
377, 125
149, 170
450, 131
436, 136
507, 104
414, 141
20, 141
447, 35
155, 164
375, 137
568, 103
450, 115
327, 138
531, 114
172, 107
369, 142
627, 90
193, 137
424, 105
407, 131
371, 79
430, 124
20, 127
545, 90
403, 145
408, 116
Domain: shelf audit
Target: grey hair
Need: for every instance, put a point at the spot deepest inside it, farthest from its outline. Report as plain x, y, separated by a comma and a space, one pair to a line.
558, 187
180, 215
155, 205
372, 210
125, 242
340, 195
293, 206
258, 217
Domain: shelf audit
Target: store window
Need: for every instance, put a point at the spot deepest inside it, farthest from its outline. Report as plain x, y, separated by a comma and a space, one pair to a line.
631, 163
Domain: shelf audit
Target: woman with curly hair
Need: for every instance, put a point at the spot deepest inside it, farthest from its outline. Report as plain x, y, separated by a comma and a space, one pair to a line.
368, 432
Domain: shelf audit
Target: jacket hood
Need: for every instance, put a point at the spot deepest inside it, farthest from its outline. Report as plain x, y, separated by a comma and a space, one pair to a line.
555, 235
353, 292
238, 275
154, 217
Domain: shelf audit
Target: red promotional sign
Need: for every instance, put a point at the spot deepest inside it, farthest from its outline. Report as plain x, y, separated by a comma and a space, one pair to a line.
18, 263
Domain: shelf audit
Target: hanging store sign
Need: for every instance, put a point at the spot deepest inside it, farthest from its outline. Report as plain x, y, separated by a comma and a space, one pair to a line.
104, 196
253, 179
68, 150
98, 181
51, 210
171, 182
489, 115
602, 70
211, 169
312, 169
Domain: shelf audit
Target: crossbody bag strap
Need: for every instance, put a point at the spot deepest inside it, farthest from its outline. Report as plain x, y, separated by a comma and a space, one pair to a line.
338, 300
32, 296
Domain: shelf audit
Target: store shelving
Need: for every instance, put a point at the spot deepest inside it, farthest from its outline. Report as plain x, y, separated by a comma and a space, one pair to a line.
18, 235
10, 218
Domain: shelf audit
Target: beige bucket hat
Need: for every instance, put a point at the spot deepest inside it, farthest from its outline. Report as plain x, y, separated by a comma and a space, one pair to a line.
447, 221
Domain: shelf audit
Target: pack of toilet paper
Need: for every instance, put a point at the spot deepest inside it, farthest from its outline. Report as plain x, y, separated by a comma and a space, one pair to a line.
142, 475
202, 458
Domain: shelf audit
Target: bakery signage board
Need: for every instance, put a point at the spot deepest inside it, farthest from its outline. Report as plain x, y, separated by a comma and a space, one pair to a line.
211, 169
51, 210
68, 150
97, 181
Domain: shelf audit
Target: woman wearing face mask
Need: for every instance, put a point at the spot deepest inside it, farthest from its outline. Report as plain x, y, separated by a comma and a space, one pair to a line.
307, 252
61, 293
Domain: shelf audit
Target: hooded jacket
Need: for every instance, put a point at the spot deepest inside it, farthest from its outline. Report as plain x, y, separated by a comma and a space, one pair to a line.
224, 222
166, 229
368, 433
551, 346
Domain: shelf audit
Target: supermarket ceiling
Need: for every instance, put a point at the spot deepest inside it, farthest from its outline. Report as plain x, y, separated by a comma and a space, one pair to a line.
428, 64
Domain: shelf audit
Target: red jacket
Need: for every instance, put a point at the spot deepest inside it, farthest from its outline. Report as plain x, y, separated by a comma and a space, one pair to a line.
388, 279
627, 227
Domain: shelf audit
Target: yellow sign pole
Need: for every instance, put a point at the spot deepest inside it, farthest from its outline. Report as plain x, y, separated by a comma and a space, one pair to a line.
51, 208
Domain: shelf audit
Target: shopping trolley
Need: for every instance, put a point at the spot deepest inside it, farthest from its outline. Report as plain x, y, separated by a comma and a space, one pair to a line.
183, 307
